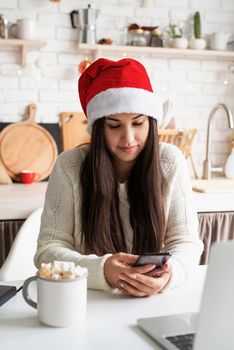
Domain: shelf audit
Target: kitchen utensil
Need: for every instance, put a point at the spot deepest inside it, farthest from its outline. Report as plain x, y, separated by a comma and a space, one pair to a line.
85, 21
28, 176
4, 26
52, 128
26, 145
60, 303
24, 29
73, 126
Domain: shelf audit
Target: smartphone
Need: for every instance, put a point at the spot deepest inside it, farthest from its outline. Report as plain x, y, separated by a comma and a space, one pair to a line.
153, 258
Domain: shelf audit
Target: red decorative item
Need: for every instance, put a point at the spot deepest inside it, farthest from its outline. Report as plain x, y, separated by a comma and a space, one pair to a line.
83, 65
108, 87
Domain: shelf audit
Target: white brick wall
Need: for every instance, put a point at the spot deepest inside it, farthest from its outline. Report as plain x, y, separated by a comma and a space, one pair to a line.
50, 77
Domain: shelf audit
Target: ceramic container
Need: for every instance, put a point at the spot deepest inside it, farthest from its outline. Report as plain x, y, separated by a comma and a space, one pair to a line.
218, 41
60, 303
197, 44
179, 43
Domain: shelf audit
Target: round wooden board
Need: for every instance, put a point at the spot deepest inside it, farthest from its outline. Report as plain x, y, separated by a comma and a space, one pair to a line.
27, 145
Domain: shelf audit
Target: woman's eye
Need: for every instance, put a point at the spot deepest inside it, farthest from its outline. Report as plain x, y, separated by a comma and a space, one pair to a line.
138, 124
113, 126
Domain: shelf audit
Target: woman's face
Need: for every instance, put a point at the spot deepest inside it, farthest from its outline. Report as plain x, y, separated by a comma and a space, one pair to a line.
125, 136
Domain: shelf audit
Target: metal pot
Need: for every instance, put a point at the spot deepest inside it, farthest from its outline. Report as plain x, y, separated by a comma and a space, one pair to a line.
85, 21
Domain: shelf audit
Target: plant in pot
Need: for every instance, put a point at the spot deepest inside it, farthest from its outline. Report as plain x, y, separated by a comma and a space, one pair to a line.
176, 34
197, 43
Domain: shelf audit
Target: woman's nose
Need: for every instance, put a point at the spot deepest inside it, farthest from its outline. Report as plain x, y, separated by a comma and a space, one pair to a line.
128, 134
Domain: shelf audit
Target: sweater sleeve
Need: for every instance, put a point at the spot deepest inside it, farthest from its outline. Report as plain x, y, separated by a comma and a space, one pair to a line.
182, 238
56, 237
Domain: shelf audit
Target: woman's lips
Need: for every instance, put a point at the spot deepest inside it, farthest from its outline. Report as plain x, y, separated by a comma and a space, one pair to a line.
129, 149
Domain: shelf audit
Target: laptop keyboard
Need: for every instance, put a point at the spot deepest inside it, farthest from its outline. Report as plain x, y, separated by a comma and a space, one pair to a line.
183, 341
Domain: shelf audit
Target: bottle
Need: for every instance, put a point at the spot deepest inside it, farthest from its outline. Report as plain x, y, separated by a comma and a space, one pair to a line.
229, 166
4, 26
137, 37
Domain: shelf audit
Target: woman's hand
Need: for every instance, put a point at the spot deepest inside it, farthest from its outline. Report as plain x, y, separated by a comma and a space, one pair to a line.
121, 264
142, 285
136, 281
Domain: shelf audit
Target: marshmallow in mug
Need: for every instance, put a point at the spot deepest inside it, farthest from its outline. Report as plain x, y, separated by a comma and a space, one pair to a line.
60, 270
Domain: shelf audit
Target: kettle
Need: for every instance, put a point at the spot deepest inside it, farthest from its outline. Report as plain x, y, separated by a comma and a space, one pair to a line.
218, 41
4, 26
85, 21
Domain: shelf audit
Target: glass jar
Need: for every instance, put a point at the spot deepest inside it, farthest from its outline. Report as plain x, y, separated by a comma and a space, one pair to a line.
136, 37
147, 37
156, 40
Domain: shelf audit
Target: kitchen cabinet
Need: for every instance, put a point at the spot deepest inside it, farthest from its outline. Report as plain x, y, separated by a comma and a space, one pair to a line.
155, 52
23, 45
216, 218
18, 201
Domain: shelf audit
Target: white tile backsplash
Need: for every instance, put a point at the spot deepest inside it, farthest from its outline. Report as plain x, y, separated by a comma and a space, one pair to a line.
50, 77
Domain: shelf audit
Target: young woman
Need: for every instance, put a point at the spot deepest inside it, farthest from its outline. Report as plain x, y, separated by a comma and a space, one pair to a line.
124, 194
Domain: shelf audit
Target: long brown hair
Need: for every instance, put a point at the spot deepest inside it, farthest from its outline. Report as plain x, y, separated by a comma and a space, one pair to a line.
102, 229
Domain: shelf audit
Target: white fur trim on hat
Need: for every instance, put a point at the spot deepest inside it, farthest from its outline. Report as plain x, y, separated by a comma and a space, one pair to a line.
123, 100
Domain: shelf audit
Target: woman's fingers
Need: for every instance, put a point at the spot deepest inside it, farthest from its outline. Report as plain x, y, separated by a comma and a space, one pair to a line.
127, 259
159, 271
131, 290
139, 284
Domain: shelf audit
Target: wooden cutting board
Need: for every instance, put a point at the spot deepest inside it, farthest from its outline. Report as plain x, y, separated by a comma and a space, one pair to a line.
27, 145
73, 126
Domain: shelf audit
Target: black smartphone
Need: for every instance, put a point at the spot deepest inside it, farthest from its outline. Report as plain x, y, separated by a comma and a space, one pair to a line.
153, 258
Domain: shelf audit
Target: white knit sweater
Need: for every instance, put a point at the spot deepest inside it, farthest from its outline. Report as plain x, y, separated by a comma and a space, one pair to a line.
60, 233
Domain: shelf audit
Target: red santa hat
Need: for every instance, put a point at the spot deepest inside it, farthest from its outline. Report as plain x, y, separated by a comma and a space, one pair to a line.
110, 87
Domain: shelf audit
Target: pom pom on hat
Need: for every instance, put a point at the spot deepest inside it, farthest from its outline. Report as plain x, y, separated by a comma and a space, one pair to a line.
110, 87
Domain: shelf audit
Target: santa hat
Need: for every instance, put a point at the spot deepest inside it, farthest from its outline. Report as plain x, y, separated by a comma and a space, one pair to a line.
110, 87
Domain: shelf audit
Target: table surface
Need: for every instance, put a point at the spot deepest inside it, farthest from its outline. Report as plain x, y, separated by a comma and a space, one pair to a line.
110, 322
18, 201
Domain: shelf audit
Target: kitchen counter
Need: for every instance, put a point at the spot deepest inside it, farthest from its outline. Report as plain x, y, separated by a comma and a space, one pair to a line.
18, 201
213, 202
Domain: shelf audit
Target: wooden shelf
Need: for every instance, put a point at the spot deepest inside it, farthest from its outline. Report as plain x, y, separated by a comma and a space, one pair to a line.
97, 50
23, 45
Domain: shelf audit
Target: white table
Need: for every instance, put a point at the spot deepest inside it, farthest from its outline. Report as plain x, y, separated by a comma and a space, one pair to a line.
110, 323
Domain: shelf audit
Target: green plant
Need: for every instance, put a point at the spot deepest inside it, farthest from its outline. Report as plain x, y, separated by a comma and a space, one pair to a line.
175, 31
197, 25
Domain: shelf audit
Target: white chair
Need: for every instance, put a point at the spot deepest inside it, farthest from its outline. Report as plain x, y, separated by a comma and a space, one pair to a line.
19, 262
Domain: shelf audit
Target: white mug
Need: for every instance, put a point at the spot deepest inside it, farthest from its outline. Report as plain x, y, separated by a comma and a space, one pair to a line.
218, 41
26, 29
61, 303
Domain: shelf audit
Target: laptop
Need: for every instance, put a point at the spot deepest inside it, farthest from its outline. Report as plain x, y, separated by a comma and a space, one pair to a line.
212, 328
